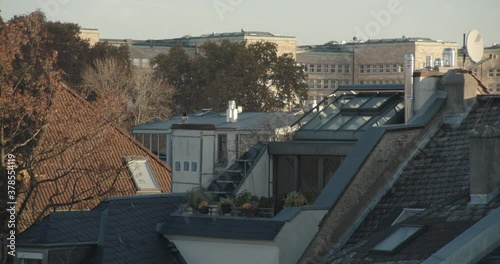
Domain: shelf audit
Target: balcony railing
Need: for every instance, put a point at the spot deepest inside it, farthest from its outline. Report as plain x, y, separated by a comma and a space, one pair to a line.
235, 212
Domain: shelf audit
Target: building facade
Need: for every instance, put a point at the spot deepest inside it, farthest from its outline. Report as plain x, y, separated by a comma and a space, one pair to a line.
142, 51
488, 71
378, 61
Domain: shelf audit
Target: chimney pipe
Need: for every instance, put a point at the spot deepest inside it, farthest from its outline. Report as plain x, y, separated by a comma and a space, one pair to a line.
184, 118
409, 68
231, 112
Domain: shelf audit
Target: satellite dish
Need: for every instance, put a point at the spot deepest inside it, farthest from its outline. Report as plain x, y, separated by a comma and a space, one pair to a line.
474, 45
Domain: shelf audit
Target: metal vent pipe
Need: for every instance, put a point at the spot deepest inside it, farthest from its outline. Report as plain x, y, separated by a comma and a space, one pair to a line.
409, 68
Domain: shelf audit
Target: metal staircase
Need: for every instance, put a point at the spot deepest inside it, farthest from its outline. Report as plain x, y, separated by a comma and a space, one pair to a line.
226, 183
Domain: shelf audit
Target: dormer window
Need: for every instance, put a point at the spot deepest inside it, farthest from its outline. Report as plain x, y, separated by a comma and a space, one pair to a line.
397, 239
143, 175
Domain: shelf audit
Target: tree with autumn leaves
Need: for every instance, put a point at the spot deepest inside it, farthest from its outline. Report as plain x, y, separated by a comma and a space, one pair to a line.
253, 74
37, 108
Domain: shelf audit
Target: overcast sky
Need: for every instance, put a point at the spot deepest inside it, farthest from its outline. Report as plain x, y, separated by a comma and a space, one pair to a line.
312, 22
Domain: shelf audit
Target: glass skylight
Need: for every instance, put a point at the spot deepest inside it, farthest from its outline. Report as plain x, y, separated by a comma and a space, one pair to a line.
356, 122
397, 238
143, 175
375, 102
356, 102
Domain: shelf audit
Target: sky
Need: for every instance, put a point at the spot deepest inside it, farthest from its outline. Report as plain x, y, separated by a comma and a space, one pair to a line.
311, 22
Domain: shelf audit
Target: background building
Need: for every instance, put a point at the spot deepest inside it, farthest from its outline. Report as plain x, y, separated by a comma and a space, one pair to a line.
377, 61
488, 71
142, 51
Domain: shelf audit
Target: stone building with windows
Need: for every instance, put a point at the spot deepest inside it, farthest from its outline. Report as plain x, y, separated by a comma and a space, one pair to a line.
376, 61
142, 51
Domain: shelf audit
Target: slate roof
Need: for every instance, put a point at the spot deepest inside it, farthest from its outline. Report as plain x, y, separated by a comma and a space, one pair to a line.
222, 227
246, 121
123, 229
437, 180
83, 154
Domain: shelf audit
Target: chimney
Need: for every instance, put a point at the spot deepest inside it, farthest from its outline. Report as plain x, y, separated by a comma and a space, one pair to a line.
231, 112
449, 57
484, 166
409, 68
184, 118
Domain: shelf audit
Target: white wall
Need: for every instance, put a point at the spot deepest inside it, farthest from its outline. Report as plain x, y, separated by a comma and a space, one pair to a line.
193, 146
257, 182
197, 250
296, 235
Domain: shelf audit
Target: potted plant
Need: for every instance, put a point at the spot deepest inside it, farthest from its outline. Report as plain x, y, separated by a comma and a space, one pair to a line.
248, 204
198, 200
224, 206
295, 199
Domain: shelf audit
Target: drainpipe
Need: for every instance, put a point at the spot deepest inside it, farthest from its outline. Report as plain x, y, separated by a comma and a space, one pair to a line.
409, 68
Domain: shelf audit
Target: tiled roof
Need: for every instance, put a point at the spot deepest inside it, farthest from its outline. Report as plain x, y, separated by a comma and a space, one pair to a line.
124, 227
80, 157
437, 180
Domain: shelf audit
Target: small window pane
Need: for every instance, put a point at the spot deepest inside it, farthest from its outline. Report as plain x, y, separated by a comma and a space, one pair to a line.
177, 166
186, 165
356, 122
194, 166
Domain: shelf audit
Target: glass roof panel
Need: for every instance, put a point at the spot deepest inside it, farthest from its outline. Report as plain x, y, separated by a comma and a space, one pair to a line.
356, 102
385, 118
356, 122
375, 102
323, 117
336, 122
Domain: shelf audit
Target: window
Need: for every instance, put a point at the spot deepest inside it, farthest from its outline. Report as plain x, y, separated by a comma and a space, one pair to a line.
136, 62
498, 72
361, 68
186, 165
145, 63
401, 68
396, 239
490, 73
325, 68
407, 213
333, 68
177, 166
318, 68
387, 68
222, 149
30, 257
368, 68
394, 68
142, 174
339, 69
325, 83
147, 141
318, 83
490, 87
311, 83
311, 67
361, 82
333, 84
347, 69
381, 68
194, 166
498, 87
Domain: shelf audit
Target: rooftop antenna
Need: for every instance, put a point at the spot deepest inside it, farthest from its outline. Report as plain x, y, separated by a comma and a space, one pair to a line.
474, 47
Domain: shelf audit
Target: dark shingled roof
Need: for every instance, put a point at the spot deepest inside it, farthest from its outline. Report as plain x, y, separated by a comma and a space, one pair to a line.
437, 180
123, 229
222, 227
